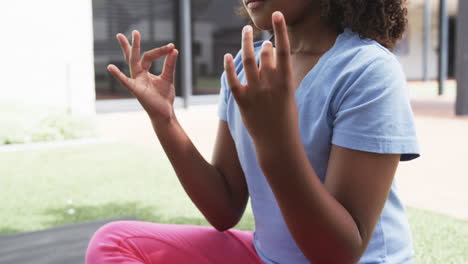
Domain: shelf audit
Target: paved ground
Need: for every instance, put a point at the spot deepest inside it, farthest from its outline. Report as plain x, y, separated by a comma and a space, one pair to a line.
437, 181
60, 245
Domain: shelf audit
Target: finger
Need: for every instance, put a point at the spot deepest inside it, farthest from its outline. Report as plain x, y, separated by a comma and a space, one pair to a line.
154, 54
169, 67
248, 56
124, 80
124, 46
135, 52
283, 60
274, 55
231, 76
266, 57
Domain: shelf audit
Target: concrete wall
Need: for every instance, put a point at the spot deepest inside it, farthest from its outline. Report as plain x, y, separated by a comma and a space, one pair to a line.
47, 54
412, 61
462, 62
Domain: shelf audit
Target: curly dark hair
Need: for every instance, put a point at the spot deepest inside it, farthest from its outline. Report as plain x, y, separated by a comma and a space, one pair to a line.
381, 20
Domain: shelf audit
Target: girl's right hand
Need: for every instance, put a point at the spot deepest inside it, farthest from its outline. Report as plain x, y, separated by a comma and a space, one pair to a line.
155, 93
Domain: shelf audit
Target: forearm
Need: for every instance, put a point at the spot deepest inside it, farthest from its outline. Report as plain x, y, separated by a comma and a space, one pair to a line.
320, 225
203, 182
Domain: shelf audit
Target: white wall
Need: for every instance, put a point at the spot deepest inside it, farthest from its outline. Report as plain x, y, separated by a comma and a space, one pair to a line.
412, 62
47, 54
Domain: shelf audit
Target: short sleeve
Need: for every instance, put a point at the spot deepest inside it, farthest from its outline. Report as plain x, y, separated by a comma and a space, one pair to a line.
223, 98
373, 112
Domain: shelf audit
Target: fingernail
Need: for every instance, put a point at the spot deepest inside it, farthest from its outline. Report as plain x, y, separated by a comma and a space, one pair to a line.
247, 28
170, 45
265, 43
226, 58
277, 16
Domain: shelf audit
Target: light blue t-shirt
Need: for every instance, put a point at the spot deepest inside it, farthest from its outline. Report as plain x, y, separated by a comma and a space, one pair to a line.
354, 97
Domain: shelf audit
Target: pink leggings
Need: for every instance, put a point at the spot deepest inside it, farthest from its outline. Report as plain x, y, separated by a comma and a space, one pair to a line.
136, 242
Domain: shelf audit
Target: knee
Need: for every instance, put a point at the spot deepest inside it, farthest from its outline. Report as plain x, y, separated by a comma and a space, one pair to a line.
112, 231
106, 241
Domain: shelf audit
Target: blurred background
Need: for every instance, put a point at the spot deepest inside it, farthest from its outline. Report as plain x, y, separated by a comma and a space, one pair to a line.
76, 149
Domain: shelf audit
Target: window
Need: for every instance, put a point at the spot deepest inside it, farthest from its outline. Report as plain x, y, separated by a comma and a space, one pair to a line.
153, 18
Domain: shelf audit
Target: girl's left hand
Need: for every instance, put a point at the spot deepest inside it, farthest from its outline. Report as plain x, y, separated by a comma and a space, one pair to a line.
267, 103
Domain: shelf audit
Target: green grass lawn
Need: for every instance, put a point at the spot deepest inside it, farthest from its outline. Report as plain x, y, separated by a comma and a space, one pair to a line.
26, 123
112, 180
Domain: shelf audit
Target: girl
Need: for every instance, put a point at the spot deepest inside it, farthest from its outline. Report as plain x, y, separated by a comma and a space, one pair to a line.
311, 128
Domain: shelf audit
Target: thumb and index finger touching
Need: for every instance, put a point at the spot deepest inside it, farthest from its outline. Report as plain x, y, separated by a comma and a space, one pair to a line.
131, 55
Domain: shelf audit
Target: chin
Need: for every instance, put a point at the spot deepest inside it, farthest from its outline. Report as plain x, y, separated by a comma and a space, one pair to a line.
263, 25
262, 22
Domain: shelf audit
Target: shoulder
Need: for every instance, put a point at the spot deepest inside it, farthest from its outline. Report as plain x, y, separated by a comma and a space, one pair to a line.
366, 72
358, 57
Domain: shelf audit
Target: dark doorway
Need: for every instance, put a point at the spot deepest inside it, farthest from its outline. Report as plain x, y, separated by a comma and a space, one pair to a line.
452, 47
216, 31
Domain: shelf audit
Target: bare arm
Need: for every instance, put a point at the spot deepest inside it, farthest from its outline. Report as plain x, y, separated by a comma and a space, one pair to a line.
219, 189
331, 222
335, 221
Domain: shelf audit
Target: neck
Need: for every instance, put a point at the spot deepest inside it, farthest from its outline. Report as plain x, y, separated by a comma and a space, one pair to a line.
311, 35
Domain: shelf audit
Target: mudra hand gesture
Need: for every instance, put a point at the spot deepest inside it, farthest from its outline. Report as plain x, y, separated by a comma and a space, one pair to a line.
267, 103
155, 93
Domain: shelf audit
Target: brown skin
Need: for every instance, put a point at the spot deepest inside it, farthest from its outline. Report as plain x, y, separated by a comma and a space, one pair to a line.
218, 189
334, 221
331, 222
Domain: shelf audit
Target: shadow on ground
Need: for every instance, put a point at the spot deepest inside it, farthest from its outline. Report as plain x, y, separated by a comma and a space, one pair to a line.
61, 215
9, 230
67, 240
134, 209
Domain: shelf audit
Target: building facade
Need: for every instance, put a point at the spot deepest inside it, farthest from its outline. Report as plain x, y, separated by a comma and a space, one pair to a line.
216, 29
57, 51
47, 53
410, 51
